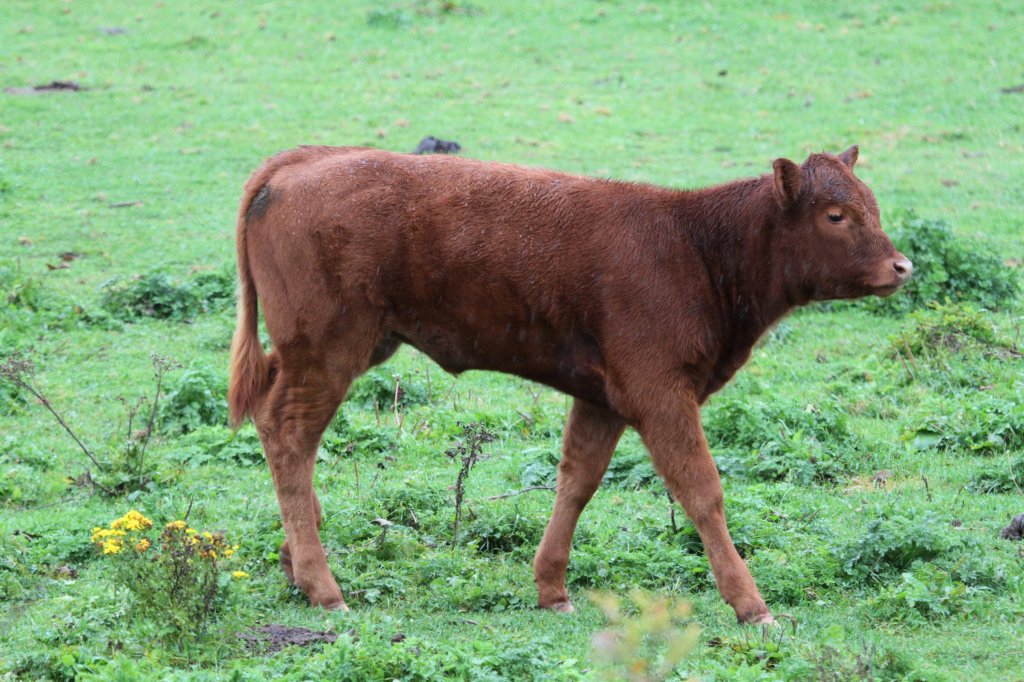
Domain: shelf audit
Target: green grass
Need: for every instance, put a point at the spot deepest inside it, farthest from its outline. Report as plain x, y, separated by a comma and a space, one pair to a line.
190, 97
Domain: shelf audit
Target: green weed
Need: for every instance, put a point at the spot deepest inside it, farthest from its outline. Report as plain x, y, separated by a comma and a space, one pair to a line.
781, 440
891, 543
158, 295
195, 398
923, 594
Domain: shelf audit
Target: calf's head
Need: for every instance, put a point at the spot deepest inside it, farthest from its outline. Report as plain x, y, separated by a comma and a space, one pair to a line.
831, 238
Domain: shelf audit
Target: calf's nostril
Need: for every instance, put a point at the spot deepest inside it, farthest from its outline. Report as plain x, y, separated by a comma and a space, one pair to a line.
903, 268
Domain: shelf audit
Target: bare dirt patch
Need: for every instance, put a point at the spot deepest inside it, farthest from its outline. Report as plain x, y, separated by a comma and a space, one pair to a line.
270, 639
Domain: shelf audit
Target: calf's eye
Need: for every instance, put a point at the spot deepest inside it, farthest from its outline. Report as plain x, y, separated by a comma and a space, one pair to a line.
835, 217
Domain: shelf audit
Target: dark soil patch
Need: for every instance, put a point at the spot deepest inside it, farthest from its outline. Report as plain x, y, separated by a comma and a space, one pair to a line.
1014, 90
52, 86
270, 639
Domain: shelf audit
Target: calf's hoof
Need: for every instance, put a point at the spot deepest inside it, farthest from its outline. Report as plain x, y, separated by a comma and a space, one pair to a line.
764, 618
284, 558
328, 598
562, 606
339, 606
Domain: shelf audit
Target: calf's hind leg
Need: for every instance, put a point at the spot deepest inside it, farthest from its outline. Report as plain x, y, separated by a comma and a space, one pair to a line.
589, 441
285, 554
301, 403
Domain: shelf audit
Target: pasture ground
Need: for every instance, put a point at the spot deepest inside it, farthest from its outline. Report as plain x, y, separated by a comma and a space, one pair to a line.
870, 459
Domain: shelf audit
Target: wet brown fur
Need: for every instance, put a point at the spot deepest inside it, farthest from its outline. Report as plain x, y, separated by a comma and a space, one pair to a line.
638, 301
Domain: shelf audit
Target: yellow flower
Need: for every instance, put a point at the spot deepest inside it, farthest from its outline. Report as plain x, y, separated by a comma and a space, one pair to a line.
100, 535
175, 525
132, 521
229, 552
239, 574
112, 546
142, 545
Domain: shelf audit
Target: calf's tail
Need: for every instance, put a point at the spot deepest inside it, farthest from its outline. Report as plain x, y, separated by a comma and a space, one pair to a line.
250, 367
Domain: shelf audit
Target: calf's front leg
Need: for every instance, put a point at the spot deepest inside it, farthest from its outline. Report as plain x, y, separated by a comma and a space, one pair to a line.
675, 439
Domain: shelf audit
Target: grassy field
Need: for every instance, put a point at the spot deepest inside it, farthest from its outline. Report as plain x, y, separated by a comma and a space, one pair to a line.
870, 455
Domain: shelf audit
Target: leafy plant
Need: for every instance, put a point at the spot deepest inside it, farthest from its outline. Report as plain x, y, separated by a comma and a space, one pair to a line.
409, 503
541, 469
987, 425
344, 439
945, 326
763, 649
631, 470
158, 295
497, 531
891, 543
780, 440
196, 398
17, 290
946, 268
215, 289
216, 443
923, 594
794, 575
153, 295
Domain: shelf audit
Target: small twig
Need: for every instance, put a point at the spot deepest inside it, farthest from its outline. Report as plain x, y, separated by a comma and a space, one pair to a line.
905, 366
672, 511
527, 418
927, 490
791, 619
355, 468
524, 490
19, 370
449, 394
394, 404
189, 510
162, 365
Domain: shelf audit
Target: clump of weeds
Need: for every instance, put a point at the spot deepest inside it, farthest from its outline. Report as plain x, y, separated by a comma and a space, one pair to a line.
468, 451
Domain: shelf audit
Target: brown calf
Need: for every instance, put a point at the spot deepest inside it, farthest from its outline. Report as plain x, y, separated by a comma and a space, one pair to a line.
638, 301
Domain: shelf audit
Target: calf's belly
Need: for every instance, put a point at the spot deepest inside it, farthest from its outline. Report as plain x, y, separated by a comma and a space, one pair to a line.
571, 365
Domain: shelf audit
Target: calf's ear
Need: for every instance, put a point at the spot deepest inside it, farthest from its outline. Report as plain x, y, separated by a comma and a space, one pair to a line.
849, 157
787, 182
